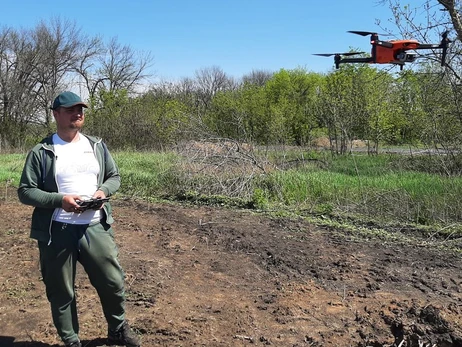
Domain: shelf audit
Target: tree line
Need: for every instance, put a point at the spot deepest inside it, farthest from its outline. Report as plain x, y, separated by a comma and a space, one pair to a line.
285, 107
288, 107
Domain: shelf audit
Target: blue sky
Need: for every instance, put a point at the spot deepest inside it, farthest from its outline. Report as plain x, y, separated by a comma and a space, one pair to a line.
236, 35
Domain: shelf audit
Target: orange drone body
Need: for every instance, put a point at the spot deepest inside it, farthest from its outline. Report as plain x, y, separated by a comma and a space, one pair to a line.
391, 55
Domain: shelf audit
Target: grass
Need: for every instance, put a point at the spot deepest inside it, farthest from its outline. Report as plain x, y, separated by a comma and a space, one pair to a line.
10, 171
147, 174
404, 196
10, 167
360, 186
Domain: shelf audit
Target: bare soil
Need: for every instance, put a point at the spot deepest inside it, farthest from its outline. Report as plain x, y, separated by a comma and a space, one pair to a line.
203, 276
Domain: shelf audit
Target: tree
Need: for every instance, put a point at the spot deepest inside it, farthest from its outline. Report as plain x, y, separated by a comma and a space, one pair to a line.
14, 81
291, 95
454, 13
382, 121
57, 44
112, 67
257, 77
336, 109
160, 119
208, 82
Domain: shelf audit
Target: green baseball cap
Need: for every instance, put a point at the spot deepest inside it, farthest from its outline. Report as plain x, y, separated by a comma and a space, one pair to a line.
67, 99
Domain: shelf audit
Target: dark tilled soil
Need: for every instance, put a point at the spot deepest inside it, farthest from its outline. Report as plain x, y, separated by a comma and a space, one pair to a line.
202, 276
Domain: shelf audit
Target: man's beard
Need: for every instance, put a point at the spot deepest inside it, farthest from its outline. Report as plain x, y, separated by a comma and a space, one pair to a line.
76, 125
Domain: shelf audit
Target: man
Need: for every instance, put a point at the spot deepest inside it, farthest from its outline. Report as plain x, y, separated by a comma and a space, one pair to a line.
60, 173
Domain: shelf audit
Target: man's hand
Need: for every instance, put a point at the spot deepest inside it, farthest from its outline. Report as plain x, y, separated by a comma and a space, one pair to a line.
69, 203
99, 194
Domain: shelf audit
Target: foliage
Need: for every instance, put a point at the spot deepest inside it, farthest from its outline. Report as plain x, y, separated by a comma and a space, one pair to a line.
291, 95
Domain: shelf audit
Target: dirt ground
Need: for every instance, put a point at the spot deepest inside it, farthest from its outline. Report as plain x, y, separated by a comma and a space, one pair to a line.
203, 276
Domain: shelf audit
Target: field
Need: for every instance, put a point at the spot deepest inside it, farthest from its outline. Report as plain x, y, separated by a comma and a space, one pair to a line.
209, 276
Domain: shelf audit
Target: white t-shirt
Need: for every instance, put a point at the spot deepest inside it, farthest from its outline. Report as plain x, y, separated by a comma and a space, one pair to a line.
77, 172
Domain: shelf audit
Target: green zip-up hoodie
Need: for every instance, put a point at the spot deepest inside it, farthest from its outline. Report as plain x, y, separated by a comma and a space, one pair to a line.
38, 186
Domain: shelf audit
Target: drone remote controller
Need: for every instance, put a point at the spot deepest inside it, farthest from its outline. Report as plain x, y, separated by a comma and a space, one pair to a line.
92, 204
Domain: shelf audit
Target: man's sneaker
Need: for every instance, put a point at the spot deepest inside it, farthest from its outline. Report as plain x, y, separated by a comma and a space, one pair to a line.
74, 344
124, 337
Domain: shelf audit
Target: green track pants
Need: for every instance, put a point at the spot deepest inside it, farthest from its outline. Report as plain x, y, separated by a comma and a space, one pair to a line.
94, 247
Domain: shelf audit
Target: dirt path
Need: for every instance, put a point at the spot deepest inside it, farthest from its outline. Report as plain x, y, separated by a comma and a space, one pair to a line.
215, 277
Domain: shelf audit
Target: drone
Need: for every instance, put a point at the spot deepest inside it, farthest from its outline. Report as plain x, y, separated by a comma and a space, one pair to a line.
390, 51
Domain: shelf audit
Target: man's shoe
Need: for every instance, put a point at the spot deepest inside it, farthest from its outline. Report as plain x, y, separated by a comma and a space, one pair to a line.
124, 336
74, 344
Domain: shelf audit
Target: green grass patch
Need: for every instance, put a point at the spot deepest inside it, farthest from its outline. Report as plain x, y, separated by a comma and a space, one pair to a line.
148, 174
10, 168
405, 196
382, 188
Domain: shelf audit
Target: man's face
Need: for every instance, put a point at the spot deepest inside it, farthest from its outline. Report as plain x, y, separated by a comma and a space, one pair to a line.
69, 117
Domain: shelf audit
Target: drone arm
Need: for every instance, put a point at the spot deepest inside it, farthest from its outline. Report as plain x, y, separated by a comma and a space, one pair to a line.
428, 46
443, 45
356, 60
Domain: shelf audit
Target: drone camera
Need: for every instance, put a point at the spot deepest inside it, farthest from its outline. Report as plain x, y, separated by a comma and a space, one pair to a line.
406, 57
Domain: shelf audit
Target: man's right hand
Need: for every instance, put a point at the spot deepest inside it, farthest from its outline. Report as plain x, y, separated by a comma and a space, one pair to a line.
69, 203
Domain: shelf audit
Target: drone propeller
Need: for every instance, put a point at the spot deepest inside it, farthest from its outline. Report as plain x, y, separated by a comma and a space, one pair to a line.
346, 54
362, 33
366, 33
